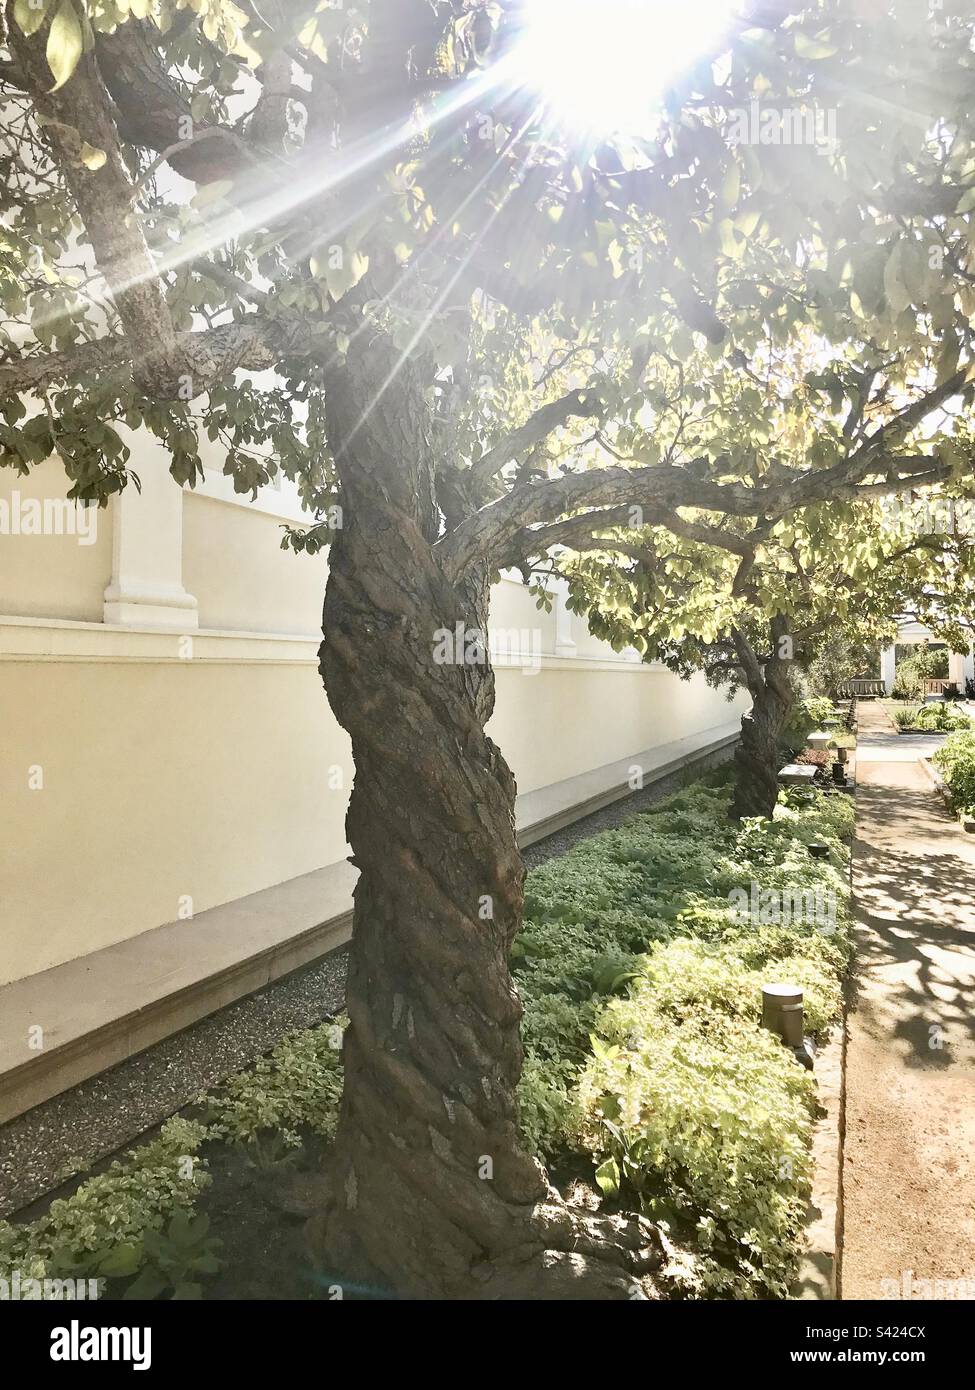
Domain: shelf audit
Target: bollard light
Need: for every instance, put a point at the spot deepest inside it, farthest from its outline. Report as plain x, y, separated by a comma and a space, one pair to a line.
782, 1014
774, 998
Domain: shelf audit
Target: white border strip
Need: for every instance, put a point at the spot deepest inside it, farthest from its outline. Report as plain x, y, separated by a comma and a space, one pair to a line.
59, 639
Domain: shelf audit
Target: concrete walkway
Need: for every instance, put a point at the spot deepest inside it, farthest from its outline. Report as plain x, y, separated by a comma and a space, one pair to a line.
909, 1158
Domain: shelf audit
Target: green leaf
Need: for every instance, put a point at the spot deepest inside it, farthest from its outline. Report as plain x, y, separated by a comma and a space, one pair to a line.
608, 1177
898, 295
731, 186
91, 157
187, 1290
807, 47
730, 245
122, 1262
30, 14
150, 1284
341, 279
65, 43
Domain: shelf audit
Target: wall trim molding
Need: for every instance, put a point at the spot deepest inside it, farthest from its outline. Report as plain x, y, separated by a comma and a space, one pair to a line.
28, 639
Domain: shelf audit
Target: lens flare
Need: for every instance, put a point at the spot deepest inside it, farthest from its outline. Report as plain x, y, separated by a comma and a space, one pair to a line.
601, 67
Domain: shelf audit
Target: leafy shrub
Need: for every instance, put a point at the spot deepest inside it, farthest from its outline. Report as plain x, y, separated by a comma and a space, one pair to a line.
926, 664
135, 1219
548, 1108
688, 976
935, 716
705, 1125
956, 761
642, 1023
804, 717
175, 1260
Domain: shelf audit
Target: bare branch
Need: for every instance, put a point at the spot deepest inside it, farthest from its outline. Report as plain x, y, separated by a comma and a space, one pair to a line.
534, 431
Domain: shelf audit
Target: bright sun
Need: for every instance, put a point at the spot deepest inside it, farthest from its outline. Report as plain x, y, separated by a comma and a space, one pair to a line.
602, 66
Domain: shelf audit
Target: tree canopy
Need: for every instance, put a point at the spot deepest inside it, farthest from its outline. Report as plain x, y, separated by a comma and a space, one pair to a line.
258, 189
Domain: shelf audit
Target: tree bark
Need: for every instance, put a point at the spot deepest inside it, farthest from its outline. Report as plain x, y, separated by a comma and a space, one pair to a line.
757, 754
430, 1192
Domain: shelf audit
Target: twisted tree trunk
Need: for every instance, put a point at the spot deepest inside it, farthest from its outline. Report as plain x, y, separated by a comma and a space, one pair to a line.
757, 754
430, 1192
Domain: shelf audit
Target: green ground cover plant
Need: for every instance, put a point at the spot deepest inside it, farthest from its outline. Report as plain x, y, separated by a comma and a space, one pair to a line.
634, 960
645, 1061
955, 760
136, 1219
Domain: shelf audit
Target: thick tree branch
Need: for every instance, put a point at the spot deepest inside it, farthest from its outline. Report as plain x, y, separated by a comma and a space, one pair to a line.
487, 535
254, 343
535, 430
80, 111
154, 112
749, 663
578, 533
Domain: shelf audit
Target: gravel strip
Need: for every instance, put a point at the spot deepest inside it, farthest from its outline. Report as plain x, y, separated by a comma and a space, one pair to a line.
72, 1131
611, 816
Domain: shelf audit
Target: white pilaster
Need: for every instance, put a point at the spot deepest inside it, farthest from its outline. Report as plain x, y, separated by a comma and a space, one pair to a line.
564, 643
146, 589
888, 662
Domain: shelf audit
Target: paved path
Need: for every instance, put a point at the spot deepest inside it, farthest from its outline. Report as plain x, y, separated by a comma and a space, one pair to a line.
909, 1158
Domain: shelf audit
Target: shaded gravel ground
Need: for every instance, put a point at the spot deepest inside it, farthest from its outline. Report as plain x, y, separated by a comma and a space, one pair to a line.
72, 1132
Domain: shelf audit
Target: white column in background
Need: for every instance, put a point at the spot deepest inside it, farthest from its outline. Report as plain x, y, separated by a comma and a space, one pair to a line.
146, 588
887, 666
956, 669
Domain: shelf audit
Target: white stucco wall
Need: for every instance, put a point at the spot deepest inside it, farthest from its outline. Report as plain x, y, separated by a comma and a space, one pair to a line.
194, 759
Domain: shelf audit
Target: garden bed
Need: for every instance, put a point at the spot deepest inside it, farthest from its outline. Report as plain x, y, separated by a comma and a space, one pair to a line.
952, 770
648, 1085
936, 718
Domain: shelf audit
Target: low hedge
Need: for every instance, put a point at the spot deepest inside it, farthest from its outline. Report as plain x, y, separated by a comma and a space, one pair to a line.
956, 761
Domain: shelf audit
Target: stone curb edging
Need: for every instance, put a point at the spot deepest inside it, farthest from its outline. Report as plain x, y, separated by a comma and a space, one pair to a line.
821, 1267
